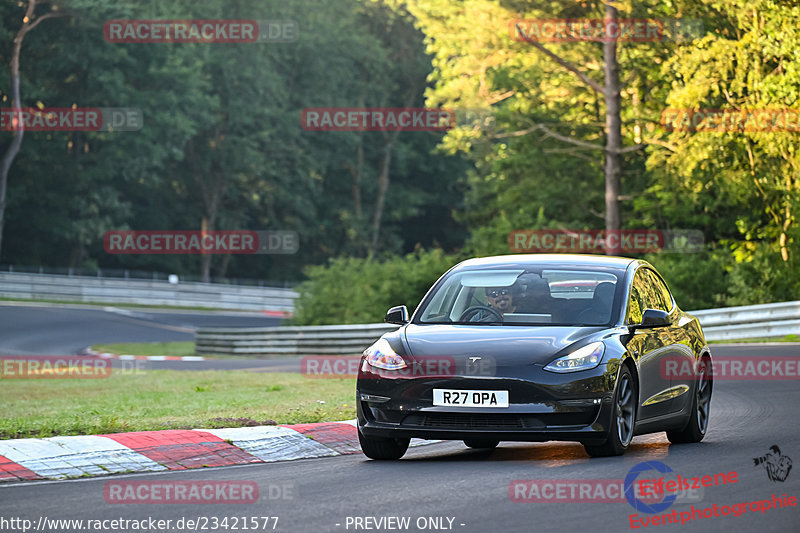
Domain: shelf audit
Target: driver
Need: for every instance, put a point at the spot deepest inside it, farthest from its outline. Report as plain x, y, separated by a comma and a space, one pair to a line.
500, 299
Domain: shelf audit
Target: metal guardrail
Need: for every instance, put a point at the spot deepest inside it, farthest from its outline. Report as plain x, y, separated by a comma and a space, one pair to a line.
289, 340
128, 273
770, 320
146, 292
750, 321
767, 320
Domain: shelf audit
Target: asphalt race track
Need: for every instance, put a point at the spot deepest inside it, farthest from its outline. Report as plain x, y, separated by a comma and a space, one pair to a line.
472, 487
447, 481
27, 329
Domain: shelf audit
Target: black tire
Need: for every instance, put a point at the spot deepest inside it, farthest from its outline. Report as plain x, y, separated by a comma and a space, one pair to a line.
697, 425
481, 444
383, 449
623, 419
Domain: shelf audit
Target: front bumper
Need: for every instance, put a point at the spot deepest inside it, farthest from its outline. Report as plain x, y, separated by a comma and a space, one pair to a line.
543, 406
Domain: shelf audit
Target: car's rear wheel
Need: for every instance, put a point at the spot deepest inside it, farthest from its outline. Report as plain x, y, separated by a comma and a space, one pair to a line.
383, 448
623, 420
696, 428
481, 444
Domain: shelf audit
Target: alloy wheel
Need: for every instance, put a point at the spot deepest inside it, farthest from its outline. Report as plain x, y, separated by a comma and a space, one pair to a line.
625, 410
703, 398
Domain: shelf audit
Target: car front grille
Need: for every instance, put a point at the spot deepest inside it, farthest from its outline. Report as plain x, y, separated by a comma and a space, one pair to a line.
473, 421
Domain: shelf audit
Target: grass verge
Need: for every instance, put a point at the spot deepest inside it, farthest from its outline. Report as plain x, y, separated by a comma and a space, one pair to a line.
147, 348
168, 399
787, 338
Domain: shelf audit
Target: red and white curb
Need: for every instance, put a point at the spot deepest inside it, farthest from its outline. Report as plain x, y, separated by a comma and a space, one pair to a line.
278, 314
174, 449
106, 355
153, 357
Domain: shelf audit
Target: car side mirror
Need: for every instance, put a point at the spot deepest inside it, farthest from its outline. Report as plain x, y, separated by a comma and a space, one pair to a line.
654, 318
397, 315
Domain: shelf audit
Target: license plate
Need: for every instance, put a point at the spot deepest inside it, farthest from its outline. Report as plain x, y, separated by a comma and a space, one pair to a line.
470, 398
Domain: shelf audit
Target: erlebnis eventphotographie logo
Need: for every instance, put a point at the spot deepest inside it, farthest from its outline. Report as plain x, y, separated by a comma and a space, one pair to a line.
777, 465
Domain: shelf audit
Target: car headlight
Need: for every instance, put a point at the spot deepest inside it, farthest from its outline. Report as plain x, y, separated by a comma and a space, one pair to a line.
581, 359
381, 355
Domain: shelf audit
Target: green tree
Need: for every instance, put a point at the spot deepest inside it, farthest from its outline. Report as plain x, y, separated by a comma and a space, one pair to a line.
741, 185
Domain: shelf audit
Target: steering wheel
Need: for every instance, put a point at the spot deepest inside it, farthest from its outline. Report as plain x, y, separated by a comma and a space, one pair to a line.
481, 312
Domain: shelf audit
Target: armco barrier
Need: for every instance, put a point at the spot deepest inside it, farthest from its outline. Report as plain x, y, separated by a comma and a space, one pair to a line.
146, 292
750, 321
770, 320
289, 340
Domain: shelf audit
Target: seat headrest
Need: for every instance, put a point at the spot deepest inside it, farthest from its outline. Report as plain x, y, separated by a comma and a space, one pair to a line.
538, 287
604, 292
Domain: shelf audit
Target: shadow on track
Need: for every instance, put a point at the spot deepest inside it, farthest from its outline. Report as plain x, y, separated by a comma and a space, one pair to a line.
546, 454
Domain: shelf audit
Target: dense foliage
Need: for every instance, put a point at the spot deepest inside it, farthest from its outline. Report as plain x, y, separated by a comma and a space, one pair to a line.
222, 138
356, 291
222, 142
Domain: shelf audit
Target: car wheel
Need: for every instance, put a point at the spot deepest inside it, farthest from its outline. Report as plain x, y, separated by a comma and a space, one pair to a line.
623, 419
696, 428
383, 448
481, 444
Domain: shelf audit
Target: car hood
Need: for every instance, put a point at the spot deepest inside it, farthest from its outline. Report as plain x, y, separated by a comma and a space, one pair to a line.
508, 345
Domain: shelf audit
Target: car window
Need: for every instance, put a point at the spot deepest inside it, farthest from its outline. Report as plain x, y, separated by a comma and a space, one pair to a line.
656, 297
439, 305
532, 296
636, 300
661, 287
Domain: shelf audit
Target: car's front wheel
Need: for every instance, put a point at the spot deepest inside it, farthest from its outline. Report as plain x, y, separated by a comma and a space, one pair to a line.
481, 444
623, 419
383, 448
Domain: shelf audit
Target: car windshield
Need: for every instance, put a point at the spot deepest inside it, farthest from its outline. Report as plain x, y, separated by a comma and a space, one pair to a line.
523, 297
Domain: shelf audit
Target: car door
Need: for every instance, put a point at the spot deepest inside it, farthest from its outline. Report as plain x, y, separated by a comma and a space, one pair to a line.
677, 339
649, 346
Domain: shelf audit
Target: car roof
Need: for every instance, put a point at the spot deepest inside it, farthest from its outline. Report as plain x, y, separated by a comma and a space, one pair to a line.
548, 260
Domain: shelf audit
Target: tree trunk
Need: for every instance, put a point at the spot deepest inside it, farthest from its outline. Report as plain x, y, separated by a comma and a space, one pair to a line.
357, 182
211, 182
357, 224
383, 187
205, 259
16, 142
222, 270
212, 195
383, 177
613, 167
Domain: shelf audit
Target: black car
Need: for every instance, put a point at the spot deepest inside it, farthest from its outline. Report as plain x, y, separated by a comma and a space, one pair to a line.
537, 348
